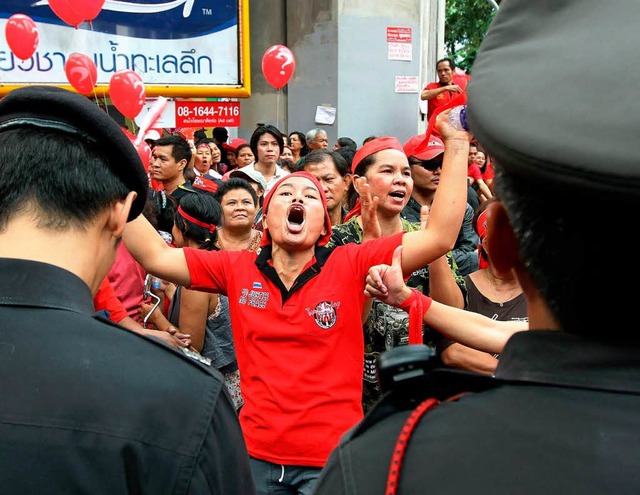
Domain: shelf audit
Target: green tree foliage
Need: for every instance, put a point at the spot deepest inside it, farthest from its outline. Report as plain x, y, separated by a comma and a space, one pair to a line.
466, 23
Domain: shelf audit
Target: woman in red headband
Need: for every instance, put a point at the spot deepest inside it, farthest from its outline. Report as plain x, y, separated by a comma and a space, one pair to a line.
381, 170
296, 310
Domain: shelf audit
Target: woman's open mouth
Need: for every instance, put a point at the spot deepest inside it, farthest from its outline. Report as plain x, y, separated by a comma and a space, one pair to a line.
295, 218
398, 195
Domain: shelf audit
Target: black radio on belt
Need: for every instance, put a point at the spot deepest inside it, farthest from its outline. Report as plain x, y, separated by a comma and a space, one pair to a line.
403, 370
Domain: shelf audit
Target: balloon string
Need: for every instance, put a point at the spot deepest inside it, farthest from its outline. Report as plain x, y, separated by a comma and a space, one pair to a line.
278, 109
96, 97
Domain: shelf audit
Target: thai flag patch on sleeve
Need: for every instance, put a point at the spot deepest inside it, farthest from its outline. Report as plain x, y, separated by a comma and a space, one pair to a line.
257, 285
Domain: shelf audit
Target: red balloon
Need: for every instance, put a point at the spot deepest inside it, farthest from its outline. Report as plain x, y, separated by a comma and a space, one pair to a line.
144, 152
127, 92
278, 65
143, 149
67, 11
22, 36
81, 72
75, 12
89, 8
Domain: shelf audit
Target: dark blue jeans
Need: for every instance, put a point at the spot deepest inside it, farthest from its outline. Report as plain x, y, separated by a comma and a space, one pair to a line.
276, 479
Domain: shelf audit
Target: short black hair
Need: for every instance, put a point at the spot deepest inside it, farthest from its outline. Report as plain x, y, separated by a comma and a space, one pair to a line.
72, 184
236, 183
347, 142
319, 156
287, 164
180, 147
452, 64
347, 154
242, 146
261, 131
569, 251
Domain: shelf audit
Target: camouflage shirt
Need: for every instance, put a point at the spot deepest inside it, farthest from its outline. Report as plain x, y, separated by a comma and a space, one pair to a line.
387, 326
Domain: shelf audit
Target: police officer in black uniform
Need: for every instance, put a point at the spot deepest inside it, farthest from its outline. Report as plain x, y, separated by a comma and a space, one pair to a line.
85, 405
551, 99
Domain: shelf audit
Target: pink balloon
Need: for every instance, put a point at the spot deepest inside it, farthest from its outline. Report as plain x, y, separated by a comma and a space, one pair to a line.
75, 12
22, 36
278, 65
81, 72
127, 92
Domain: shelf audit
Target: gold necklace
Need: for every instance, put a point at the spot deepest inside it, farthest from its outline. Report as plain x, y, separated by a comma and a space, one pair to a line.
493, 289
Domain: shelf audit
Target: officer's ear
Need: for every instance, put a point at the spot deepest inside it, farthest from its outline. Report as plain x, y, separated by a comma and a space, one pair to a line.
502, 245
119, 213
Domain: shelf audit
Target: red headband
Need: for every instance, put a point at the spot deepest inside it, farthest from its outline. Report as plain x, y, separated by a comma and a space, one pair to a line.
481, 224
373, 146
481, 227
209, 226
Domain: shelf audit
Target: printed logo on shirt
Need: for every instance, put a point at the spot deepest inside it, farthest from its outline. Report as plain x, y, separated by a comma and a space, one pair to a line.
324, 314
254, 298
257, 285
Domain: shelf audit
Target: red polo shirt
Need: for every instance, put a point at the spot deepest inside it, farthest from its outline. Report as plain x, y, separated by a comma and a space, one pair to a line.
442, 99
473, 171
300, 352
106, 299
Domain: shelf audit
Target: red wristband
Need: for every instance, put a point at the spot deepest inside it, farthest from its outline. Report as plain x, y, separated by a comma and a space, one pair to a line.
417, 304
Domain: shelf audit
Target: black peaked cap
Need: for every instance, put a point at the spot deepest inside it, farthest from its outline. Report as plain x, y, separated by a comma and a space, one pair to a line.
552, 95
57, 108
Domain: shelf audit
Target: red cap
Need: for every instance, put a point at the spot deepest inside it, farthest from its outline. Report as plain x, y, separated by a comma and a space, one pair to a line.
373, 146
266, 238
434, 147
233, 144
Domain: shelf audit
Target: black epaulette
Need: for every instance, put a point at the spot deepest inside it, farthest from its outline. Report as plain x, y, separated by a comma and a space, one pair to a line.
440, 384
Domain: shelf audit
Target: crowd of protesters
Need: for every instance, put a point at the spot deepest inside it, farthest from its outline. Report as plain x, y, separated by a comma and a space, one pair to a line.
238, 317
286, 284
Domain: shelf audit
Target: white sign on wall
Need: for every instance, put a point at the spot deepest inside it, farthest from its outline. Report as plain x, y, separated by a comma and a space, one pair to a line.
407, 84
399, 43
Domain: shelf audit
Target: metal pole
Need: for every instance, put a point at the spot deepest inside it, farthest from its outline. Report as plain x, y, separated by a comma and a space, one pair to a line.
494, 4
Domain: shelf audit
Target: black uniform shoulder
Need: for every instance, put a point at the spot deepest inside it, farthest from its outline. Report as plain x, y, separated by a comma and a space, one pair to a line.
361, 463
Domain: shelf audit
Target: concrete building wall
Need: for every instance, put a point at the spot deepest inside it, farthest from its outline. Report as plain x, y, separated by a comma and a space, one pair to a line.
368, 103
313, 37
340, 48
267, 25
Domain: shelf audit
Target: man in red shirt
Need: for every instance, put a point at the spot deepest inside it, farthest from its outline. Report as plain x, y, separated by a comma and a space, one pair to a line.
296, 313
440, 93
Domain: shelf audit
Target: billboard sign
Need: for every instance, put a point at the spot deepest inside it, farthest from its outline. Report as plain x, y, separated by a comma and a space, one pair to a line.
187, 48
